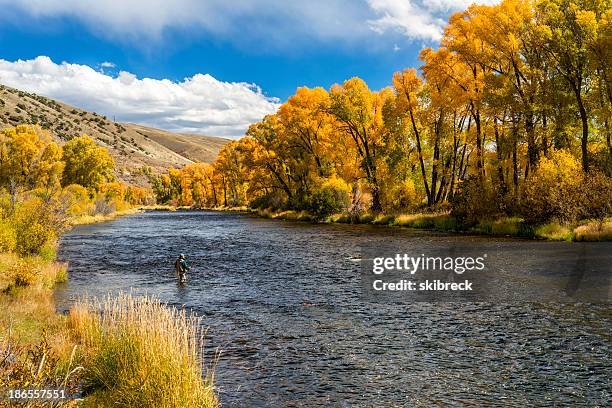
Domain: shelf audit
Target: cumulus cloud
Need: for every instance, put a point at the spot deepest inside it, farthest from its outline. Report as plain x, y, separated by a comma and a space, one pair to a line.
416, 19
107, 64
275, 23
199, 104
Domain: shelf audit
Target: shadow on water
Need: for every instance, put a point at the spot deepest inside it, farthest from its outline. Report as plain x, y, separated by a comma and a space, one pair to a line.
283, 301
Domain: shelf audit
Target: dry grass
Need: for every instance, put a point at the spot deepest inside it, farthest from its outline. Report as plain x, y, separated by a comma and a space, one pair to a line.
27, 298
508, 226
197, 148
291, 215
437, 221
265, 213
35, 347
141, 353
342, 218
414, 220
94, 219
221, 208
38, 366
554, 231
594, 231
382, 219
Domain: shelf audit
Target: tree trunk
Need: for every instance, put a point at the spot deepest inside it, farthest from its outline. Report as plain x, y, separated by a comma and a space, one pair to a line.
500, 170
532, 149
376, 205
479, 161
419, 151
224, 192
282, 182
436, 157
515, 174
585, 135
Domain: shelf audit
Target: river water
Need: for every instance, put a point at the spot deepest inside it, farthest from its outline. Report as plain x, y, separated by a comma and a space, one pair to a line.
283, 302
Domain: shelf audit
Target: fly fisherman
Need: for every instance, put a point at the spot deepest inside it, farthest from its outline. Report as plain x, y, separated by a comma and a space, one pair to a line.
181, 267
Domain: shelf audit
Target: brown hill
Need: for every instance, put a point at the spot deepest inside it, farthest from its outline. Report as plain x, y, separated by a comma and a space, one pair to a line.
132, 146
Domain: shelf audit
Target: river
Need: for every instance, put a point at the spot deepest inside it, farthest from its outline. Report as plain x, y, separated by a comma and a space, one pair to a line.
283, 302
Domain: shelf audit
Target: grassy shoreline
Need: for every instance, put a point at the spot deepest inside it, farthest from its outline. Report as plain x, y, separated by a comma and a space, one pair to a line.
587, 231
41, 348
95, 219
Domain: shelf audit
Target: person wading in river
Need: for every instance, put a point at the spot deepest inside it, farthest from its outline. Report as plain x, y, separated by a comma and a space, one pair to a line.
181, 267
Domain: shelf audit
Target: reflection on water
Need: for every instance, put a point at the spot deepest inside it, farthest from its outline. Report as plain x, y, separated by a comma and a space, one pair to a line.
283, 302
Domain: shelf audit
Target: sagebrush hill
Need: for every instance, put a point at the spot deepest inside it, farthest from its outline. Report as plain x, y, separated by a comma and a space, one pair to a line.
134, 147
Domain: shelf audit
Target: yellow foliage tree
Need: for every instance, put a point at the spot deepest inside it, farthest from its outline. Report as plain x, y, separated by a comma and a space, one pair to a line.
28, 159
87, 164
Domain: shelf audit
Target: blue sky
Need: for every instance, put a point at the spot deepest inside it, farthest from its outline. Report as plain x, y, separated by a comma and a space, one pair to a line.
212, 66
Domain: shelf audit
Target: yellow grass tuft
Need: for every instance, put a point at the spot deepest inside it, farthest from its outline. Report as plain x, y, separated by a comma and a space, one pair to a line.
382, 219
438, 221
141, 353
594, 231
554, 231
94, 219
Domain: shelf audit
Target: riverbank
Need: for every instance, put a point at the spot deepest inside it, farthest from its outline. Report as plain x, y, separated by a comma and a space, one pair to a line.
506, 226
94, 219
40, 348
587, 231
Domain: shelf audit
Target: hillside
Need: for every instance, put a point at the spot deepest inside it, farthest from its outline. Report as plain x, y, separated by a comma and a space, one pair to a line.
132, 146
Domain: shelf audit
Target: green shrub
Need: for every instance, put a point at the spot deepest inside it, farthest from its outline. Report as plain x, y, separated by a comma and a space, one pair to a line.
271, 201
474, 201
332, 197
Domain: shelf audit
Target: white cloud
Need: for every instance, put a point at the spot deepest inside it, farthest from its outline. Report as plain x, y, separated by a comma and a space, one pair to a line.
199, 104
107, 64
416, 19
243, 21
277, 24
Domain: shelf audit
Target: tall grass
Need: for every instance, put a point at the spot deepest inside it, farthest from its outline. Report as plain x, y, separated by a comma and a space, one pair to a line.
554, 231
509, 226
141, 354
439, 221
594, 231
97, 218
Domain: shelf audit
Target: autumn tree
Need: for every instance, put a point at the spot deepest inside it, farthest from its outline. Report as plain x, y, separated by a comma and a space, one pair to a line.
28, 159
571, 26
309, 125
87, 164
359, 113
